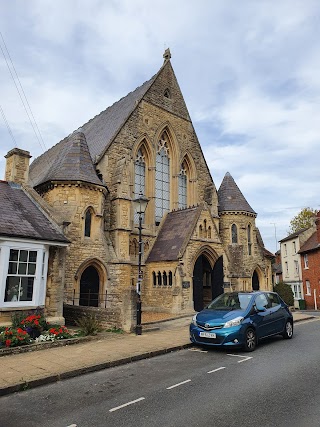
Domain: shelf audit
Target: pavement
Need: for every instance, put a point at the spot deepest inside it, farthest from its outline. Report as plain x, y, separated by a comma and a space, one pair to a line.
34, 368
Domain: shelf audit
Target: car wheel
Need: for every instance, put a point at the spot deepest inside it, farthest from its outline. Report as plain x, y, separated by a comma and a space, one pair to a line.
288, 330
250, 342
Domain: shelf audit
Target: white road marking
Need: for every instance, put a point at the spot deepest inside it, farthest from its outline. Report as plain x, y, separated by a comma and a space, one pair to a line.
244, 358
126, 404
215, 370
198, 349
72, 425
177, 385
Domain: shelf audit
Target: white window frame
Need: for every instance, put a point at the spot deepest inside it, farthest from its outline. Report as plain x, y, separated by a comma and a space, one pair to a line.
40, 277
308, 287
306, 261
296, 267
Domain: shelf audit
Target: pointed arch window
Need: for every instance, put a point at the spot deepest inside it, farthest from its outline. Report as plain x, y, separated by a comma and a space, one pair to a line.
139, 179
234, 234
182, 187
162, 179
87, 223
249, 240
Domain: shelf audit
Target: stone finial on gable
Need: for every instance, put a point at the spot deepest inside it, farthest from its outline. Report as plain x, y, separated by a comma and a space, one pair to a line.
167, 55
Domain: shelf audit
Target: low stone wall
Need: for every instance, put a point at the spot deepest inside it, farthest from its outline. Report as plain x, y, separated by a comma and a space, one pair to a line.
109, 318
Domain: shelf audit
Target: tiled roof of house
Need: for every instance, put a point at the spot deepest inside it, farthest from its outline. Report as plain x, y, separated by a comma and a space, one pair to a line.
21, 217
230, 197
293, 235
311, 244
67, 161
175, 232
99, 133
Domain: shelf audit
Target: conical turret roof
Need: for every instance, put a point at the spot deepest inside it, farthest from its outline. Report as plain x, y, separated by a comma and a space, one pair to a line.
230, 197
67, 161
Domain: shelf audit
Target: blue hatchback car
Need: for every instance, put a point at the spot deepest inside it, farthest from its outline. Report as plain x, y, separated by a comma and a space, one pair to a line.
241, 319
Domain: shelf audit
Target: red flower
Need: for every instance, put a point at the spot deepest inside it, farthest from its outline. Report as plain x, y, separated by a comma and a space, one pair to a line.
8, 343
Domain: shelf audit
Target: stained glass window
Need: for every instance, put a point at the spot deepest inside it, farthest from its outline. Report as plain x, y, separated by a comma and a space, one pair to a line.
162, 181
182, 188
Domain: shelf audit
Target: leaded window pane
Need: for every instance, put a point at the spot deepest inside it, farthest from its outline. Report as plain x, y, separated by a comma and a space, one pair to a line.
139, 181
162, 181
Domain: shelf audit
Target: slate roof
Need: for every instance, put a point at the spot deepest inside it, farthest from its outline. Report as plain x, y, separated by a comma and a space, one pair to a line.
230, 197
311, 244
99, 133
174, 235
293, 235
21, 217
68, 160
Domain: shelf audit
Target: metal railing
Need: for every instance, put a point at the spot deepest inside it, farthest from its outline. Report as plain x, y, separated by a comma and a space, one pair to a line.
86, 299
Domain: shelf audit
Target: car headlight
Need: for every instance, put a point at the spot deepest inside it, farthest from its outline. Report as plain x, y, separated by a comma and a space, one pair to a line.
234, 322
194, 320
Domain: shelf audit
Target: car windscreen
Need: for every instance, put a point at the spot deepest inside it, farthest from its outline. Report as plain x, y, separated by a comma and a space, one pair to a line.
231, 301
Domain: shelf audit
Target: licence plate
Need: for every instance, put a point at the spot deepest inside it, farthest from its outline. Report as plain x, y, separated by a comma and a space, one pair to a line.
207, 335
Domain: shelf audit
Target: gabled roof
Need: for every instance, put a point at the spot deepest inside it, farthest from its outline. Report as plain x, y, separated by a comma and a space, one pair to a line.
230, 197
21, 217
311, 244
293, 235
67, 161
175, 232
99, 133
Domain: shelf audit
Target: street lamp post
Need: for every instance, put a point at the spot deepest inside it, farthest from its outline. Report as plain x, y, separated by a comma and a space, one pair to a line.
140, 206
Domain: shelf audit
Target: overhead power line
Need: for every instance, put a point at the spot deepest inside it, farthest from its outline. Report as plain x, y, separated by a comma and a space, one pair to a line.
8, 126
22, 95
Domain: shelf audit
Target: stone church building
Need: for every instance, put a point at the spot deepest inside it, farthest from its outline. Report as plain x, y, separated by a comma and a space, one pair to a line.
197, 242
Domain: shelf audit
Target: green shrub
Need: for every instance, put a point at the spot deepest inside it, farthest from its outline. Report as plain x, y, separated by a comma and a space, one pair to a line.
285, 292
89, 324
115, 330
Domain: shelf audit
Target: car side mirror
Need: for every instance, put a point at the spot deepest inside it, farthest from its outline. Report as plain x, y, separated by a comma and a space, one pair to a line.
260, 308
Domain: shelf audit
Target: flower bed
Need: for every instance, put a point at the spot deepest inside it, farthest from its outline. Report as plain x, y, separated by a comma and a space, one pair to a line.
30, 330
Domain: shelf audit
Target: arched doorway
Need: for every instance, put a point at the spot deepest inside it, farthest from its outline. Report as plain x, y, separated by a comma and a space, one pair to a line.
89, 287
207, 282
255, 281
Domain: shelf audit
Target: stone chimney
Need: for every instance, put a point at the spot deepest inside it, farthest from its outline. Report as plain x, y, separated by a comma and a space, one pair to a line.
318, 226
17, 166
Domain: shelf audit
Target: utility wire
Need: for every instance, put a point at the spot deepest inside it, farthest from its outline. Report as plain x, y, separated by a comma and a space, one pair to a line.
8, 126
23, 98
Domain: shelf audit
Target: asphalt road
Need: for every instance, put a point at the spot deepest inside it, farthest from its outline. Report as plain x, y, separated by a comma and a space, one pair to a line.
277, 385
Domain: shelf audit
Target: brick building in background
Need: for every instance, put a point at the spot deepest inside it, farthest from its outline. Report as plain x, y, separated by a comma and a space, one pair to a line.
310, 265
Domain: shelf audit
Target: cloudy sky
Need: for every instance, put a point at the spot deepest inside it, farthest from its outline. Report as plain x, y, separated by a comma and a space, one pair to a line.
249, 72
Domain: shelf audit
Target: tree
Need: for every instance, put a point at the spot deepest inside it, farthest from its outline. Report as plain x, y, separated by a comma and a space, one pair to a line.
304, 219
285, 293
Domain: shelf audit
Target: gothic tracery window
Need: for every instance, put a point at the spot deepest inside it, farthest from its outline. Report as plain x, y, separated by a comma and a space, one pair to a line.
139, 179
162, 179
249, 240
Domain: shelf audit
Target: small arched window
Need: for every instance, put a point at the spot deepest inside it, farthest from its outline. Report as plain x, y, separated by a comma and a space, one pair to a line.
209, 232
154, 278
87, 223
159, 279
200, 231
170, 278
165, 281
234, 234
249, 240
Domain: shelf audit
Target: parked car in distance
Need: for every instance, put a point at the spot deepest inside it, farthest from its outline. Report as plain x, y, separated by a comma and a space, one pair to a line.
242, 319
